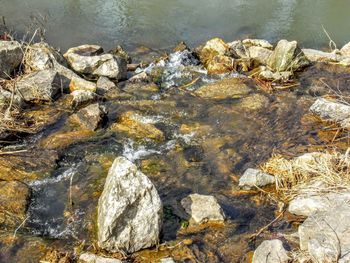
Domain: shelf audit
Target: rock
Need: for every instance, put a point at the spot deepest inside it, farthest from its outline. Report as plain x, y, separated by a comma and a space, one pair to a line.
212, 48
231, 88
238, 50
84, 59
287, 56
306, 203
6, 98
326, 235
137, 126
91, 117
83, 97
220, 64
255, 178
203, 208
129, 210
271, 251
267, 74
257, 43
254, 102
320, 56
167, 260
345, 50
78, 83
331, 111
104, 85
260, 54
92, 258
14, 200
41, 56
45, 85
11, 55
119, 51
141, 77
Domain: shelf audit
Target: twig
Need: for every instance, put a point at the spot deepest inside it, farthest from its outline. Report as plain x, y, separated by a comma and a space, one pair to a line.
12, 152
332, 44
254, 236
14, 234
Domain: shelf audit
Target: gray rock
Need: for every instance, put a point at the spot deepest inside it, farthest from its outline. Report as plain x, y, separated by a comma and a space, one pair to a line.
83, 61
78, 83
41, 56
6, 97
141, 77
287, 56
83, 97
104, 85
267, 74
129, 210
345, 50
92, 258
255, 178
319, 56
258, 43
11, 56
331, 111
167, 260
260, 54
306, 204
326, 235
91, 117
203, 208
45, 85
271, 251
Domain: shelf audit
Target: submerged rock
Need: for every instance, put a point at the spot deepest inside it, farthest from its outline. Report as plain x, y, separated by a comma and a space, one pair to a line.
137, 126
271, 251
231, 88
129, 210
326, 235
254, 102
86, 59
14, 200
255, 178
92, 258
11, 55
203, 208
332, 111
45, 85
287, 56
91, 117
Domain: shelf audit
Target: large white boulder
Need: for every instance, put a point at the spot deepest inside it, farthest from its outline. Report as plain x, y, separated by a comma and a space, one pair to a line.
271, 251
129, 210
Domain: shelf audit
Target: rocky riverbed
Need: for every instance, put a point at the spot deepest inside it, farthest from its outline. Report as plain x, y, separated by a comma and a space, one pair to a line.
229, 152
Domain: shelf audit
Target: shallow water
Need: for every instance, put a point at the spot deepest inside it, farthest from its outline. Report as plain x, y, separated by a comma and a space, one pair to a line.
160, 24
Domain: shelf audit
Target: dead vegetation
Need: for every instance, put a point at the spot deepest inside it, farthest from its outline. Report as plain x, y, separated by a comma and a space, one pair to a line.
321, 172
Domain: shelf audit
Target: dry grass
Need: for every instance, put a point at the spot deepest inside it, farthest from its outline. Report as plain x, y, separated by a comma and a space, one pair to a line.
330, 170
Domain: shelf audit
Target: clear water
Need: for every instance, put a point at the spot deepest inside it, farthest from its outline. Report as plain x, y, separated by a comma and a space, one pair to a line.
161, 23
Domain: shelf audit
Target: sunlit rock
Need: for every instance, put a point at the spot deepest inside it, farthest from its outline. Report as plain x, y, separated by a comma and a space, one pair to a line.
14, 200
11, 55
91, 117
332, 111
92, 258
258, 53
287, 56
203, 208
320, 56
255, 178
87, 59
326, 235
231, 88
257, 43
129, 210
104, 85
83, 97
220, 64
271, 251
45, 85
345, 50
78, 83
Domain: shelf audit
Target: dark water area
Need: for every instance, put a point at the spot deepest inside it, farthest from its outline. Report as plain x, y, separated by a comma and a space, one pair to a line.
160, 24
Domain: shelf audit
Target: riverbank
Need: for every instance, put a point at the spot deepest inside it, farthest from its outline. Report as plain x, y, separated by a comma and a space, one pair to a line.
197, 155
